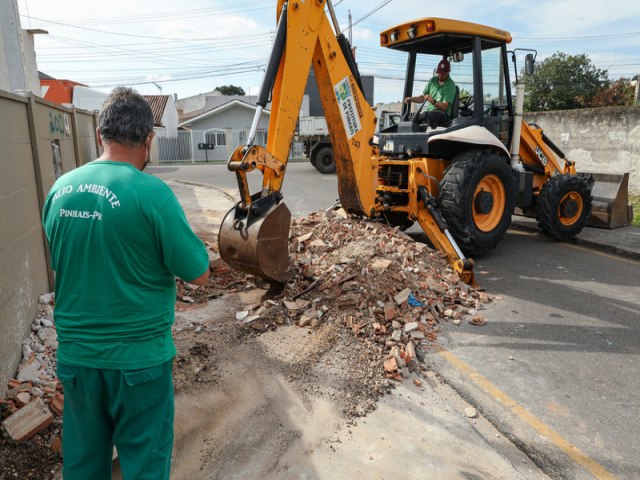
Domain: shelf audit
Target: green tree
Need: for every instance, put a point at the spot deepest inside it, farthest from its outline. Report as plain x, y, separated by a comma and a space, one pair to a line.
563, 82
230, 90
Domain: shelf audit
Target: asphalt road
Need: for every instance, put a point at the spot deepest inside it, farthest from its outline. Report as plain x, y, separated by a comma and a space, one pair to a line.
304, 189
556, 365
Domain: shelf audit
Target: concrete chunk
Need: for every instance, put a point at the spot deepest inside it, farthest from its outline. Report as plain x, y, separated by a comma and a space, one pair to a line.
402, 297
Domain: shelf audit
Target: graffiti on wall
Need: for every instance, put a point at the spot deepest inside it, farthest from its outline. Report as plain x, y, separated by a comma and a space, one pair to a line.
59, 124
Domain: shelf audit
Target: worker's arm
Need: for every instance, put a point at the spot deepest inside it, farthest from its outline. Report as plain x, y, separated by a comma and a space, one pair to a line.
183, 253
201, 280
417, 99
421, 98
442, 106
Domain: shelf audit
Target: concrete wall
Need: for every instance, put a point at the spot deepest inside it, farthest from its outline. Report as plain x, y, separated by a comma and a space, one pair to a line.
170, 119
27, 172
597, 139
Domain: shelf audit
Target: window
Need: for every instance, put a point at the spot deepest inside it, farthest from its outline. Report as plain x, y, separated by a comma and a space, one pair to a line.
493, 79
217, 137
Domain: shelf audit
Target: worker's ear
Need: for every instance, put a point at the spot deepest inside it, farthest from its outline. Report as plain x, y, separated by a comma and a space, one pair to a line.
99, 137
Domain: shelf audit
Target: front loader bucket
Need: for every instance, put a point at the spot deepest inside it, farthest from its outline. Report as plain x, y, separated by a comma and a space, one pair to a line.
610, 208
255, 240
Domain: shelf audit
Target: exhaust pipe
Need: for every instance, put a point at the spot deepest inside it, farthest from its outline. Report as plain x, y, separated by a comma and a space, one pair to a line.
516, 164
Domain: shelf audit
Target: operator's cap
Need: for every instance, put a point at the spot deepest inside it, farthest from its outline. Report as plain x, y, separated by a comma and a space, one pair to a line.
443, 67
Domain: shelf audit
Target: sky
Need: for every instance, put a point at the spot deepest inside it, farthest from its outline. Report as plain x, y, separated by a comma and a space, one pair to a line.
193, 46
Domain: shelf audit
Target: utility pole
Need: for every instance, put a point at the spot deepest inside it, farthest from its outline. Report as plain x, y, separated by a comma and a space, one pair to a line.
637, 99
350, 27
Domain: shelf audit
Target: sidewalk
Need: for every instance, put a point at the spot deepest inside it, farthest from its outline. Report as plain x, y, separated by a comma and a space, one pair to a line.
623, 241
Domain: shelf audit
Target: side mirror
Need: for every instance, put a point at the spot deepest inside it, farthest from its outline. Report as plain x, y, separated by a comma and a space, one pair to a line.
457, 57
529, 64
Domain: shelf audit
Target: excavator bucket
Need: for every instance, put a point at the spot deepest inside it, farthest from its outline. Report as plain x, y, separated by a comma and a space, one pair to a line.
610, 207
255, 239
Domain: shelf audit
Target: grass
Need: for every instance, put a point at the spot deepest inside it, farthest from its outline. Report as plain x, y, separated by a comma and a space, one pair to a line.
635, 201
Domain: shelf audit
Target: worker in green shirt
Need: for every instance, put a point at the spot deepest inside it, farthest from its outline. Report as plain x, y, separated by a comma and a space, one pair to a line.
439, 94
118, 238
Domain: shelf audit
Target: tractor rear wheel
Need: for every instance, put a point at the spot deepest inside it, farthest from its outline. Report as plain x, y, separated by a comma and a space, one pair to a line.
477, 200
564, 206
325, 162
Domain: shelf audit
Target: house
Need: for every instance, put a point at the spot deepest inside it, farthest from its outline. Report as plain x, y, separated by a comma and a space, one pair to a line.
225, 123
165, 115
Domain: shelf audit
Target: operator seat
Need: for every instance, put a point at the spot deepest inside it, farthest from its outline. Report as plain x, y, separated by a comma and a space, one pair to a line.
455, 110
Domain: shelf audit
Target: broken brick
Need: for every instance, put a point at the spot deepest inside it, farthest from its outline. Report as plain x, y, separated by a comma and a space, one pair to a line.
391, 365
13, 383
22, 399
389, 311
55, 443
28, 421
478, 320
57, 403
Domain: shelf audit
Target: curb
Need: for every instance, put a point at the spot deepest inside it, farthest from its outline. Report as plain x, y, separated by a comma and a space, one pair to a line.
207, 185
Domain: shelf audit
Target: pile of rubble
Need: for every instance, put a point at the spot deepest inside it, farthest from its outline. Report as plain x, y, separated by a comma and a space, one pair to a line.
34, 399
375, 281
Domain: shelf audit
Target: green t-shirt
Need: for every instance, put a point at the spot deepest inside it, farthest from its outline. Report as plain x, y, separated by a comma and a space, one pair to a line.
118, 237
441, 93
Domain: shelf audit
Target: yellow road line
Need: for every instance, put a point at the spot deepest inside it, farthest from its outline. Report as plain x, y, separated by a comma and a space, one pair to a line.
572, 451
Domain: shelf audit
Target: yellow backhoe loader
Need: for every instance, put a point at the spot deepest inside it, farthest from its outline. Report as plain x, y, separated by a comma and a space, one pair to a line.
460, 182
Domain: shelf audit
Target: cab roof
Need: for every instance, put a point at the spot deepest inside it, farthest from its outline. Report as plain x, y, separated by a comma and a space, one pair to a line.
439, 36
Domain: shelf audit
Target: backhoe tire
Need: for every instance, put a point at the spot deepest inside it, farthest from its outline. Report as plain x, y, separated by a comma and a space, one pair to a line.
324, 161
476, 199
564, 206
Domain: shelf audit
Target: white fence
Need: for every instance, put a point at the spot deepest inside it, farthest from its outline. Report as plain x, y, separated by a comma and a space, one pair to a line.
187, 147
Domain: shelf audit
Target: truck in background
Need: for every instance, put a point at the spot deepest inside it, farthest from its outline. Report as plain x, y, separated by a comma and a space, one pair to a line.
313, 133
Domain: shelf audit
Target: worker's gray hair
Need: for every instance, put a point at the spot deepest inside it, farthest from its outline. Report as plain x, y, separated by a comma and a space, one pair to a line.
125, 118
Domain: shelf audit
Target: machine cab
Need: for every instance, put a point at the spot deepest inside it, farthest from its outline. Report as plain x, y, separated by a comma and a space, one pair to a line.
479, 69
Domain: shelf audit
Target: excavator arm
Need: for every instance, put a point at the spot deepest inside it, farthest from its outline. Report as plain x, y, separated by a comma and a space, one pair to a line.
254, 235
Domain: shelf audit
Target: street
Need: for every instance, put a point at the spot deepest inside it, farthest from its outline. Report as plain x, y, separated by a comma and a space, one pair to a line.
555, 367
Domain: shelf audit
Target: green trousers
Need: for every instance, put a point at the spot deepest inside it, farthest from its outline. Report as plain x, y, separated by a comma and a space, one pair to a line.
131, 409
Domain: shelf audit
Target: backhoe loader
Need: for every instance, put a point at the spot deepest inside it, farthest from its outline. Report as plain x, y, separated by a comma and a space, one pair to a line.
460, 182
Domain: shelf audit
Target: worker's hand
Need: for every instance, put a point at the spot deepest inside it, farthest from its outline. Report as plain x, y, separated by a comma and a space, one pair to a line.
408, 99
430, 99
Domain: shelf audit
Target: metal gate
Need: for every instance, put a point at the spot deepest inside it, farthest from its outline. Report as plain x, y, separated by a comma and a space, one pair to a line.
184, 148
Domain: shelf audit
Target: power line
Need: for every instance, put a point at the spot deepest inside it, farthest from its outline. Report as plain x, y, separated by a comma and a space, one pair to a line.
367, 15
126, 34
